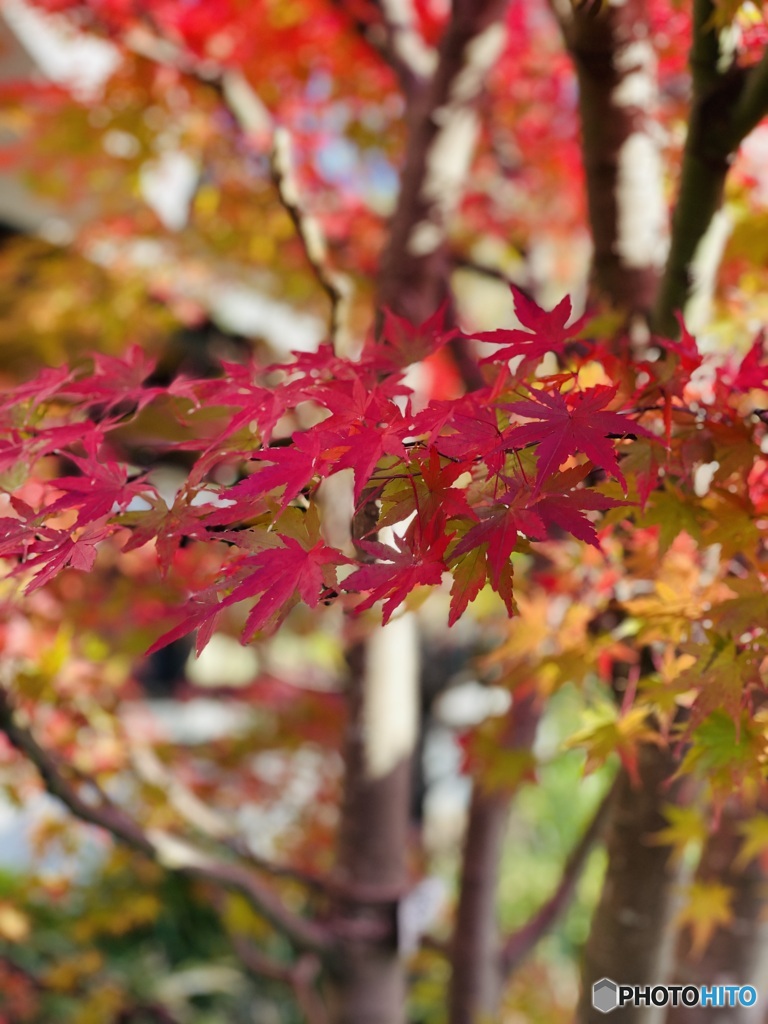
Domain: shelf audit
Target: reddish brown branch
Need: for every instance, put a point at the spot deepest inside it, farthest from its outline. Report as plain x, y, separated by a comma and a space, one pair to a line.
414, 278
520, 943
336, 285
476, 977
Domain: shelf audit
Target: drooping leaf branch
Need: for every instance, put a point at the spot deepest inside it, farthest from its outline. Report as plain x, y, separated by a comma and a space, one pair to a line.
169, 851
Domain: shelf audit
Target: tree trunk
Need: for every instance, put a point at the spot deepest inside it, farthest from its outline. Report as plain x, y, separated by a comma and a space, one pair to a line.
372, 869
627, 941
443, 125
616, 68
476, 977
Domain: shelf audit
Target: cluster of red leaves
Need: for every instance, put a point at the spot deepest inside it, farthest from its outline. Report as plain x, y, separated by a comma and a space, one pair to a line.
458, 485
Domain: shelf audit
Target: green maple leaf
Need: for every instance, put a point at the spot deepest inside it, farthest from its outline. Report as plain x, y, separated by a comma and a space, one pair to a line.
469, 576
669, 511
726, 752
734, 528
742, 612
720, 679
609, 732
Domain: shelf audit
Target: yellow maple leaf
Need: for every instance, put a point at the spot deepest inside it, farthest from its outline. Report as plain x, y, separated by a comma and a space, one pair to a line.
707, 908
755, 833
609, 732
685, 827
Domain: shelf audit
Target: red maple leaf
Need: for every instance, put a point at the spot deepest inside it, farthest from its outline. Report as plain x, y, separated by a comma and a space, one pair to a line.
751, 372
102, 488
359, 448
568, 512
116, 385
398, 570
475, 435
403, 343
429, 492
686, 349
546, 330
292, 469
54, 550
43, 387
568, 424
499, 529
279, 576
282, 576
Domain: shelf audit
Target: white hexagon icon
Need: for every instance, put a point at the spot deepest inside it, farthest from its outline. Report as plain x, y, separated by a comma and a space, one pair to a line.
605, 995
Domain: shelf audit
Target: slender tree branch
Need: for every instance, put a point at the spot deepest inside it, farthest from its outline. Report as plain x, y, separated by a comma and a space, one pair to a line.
481, 269
520, 943
336, 286
254, 121
752, 105
165, 849
396, 39
301, 976
727, 104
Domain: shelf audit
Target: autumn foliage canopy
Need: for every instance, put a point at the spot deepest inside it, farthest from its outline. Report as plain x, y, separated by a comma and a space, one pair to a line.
583, 495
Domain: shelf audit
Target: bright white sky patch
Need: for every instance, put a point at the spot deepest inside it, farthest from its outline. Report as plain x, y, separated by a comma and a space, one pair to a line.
63, 55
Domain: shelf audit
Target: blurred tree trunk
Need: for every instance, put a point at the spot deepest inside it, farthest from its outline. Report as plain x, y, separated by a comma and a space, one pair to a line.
629, 937
372, 864
476, 978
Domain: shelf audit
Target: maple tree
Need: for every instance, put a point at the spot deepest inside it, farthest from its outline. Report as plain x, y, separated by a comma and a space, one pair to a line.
603, 475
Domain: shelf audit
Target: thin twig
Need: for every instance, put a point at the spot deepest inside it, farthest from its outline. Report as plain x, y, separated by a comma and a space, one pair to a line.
253, 121
337, 286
